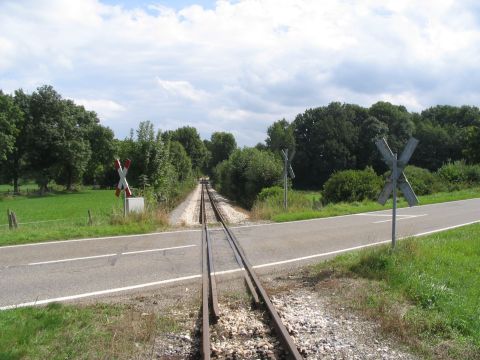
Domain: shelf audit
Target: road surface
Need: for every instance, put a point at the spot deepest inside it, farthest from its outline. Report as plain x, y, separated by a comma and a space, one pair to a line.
74, 269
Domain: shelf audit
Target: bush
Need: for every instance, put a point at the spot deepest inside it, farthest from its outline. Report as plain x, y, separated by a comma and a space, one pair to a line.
458, 175
270, 202
423, 181
352, 185
246, 172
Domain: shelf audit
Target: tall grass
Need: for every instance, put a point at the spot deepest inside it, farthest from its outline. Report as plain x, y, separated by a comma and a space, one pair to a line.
435, 280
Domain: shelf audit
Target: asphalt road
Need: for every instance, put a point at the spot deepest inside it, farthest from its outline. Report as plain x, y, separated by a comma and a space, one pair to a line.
69, 270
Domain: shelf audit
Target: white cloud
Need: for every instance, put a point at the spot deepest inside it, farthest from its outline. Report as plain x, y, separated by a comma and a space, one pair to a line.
105, 108
182, 89
242, 64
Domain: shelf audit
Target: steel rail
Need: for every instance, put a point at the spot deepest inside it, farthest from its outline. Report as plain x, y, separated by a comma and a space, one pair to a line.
205, 346
286, 339
238, 258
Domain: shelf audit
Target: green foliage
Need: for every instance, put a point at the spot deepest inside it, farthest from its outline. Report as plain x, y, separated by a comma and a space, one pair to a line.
246, 173
437, 276
280, 136
10, 119
221, 146
352, 185
423, 181
458, 175
326, 140
194, 146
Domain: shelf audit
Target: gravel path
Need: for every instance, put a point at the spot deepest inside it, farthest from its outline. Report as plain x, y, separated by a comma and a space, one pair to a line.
187, 213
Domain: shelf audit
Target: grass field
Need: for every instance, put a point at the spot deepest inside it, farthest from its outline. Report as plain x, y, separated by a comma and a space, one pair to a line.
63, 215
426, 291
303, 205
81, 332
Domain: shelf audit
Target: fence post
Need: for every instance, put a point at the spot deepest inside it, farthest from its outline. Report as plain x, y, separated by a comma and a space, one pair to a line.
10, 222
14, 220
90, 221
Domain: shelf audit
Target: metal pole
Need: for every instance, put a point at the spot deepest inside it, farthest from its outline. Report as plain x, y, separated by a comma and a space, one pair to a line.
394, 208
285, 180
125, 203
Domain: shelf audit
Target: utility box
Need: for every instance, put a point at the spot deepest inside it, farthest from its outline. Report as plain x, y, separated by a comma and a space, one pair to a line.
135, 204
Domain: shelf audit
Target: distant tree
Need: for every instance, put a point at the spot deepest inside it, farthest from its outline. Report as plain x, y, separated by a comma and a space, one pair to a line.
180, 161
74, 147
222, 145
367, 155
398, 120
194, 146
246, 172
10, 118
261, 146
326, 139
102, 146
280, 136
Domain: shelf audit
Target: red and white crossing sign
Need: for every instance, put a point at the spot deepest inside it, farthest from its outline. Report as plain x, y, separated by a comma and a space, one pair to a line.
122, 184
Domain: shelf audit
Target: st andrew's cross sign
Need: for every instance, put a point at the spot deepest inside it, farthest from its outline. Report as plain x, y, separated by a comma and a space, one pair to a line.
397, 178
287, 169
122, 184
400, 178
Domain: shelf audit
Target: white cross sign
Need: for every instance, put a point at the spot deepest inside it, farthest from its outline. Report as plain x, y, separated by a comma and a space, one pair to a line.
400, 178
122, 184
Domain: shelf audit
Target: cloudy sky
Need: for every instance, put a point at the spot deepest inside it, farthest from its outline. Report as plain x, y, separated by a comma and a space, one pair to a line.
240, 65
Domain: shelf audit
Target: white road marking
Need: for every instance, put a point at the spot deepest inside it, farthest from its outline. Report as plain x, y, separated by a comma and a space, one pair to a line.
185, 278
108, 255
98, 238
101, 292
400, 217
233, 227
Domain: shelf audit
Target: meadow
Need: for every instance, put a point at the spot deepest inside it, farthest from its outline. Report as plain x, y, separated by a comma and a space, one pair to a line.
425, 292
64, 215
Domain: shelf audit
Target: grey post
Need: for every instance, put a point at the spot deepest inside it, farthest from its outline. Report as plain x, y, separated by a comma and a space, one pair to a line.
287, 169
394, 208
285, 179
397, 178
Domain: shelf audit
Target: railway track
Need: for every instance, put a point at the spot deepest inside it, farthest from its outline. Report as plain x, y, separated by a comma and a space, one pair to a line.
210, 306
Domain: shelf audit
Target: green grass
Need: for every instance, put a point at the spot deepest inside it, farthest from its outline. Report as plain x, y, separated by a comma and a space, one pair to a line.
80, 332
273, 209
434, 279
63, 215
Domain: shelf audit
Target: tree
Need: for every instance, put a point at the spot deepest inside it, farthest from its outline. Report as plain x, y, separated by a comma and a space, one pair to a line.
398, 120
246, 172
280, 136
10, 120
102, 145
367, 155
180, 161
194, 146
221, 146
326, 139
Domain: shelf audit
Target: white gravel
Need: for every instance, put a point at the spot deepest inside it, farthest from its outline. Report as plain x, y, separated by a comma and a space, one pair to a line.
323, 332
187, 213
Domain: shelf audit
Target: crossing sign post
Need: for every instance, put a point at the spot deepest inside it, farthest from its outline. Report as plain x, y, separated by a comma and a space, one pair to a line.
397, 178
123, 184
287, 169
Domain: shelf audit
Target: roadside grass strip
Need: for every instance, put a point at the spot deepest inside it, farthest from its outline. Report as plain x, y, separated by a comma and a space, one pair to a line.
434, 280
82, 332
329, 210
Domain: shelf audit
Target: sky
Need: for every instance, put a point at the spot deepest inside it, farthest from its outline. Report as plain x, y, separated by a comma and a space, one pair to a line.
240, 65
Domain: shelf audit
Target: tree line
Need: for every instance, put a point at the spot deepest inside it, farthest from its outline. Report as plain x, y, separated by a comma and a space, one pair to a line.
46, 138
341, 136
